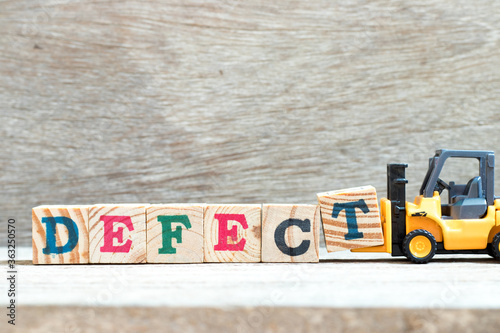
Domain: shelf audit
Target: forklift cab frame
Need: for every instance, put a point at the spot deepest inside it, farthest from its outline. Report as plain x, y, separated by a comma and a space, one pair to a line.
466, 201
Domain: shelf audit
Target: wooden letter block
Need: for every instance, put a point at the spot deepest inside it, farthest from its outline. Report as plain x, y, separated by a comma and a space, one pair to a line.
232, 233
117, 233
351, 218
290, 233
60, 235
175, 233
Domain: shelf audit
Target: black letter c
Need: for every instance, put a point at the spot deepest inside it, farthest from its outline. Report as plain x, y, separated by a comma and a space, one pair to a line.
279, 237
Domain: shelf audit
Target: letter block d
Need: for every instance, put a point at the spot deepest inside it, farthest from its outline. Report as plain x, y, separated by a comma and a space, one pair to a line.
60, 235
351, 218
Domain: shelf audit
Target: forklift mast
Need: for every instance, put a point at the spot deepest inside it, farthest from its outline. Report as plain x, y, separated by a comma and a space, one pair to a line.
396, 193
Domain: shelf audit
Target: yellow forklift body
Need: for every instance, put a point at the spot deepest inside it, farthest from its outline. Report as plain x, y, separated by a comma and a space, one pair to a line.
456, 234
470, 234
419, 230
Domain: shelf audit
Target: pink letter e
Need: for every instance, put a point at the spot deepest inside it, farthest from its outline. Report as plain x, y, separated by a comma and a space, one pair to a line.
110, 234
224, 233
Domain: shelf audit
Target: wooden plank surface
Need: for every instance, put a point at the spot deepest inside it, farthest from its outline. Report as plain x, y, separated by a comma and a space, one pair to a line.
339, 280
236, 102
359, 292
261, 319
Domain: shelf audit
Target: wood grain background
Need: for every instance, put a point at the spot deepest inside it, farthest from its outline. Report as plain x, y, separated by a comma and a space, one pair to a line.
236, 101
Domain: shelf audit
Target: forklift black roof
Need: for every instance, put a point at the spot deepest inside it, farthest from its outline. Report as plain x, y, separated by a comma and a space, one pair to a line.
464, 153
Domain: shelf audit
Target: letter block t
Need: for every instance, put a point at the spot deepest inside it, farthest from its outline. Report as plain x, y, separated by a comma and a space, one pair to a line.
232, 233
175, 233
351, 218
60, 235
117, 233
290, 233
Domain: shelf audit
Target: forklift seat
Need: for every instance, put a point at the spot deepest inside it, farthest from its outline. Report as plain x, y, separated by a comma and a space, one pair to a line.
470, 205
473, 189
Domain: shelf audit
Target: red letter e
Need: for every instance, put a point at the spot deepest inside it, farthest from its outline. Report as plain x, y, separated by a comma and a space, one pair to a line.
110, 234
224, 232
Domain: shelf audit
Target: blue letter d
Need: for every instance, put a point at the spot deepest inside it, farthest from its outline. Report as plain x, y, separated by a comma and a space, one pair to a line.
51, 222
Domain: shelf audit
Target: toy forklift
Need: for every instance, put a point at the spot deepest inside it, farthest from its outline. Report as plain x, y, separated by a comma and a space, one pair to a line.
469, 223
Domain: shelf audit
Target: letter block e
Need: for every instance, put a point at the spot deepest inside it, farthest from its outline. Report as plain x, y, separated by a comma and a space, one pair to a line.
117, 233
232, 233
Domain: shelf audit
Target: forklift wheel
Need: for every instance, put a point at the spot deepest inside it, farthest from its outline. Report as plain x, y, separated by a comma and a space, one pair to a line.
420, 246
495, 246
